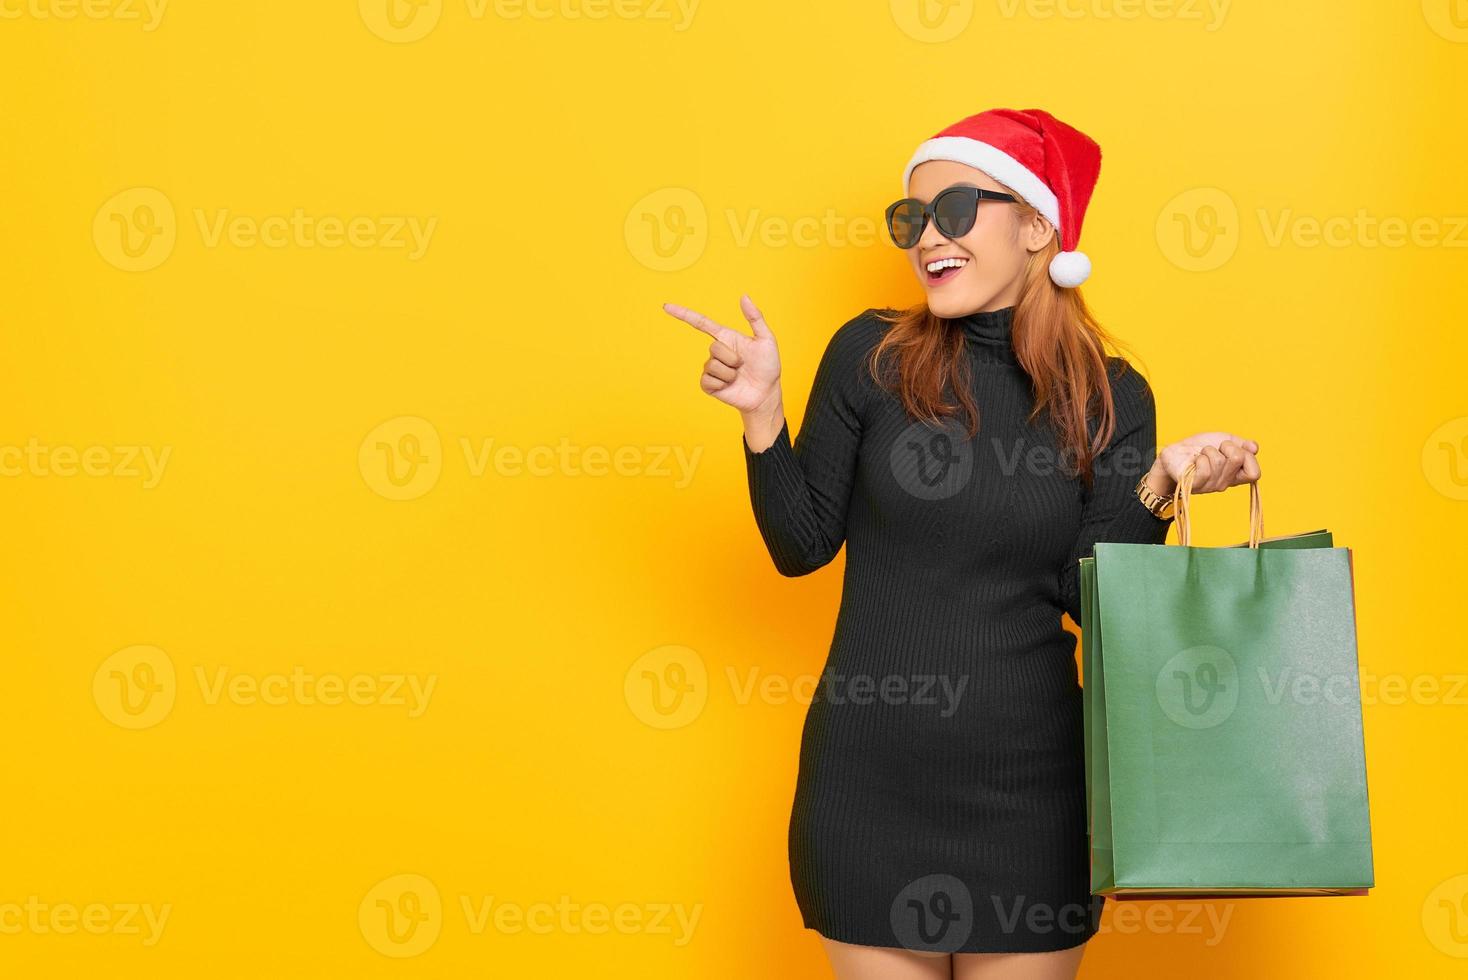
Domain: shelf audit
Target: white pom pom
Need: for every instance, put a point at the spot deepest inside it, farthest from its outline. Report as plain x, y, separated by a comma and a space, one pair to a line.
1069, 269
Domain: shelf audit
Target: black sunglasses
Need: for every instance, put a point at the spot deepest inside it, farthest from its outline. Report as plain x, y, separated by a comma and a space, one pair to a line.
953, 210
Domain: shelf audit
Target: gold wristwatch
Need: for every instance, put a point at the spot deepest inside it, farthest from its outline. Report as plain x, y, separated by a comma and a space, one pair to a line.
1161, 507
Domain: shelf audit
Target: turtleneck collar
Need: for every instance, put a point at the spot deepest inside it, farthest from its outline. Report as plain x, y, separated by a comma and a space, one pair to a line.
991, 331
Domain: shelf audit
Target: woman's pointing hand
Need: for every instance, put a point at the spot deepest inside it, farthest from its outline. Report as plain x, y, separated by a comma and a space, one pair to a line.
741, 371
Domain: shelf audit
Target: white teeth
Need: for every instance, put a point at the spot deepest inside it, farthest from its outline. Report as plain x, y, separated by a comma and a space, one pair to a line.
941, 264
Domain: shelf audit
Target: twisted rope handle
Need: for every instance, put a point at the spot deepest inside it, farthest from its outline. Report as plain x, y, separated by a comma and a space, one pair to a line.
1184, 518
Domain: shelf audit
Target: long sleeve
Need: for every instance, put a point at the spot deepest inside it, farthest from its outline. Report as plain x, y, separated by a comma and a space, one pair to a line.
800, 491
1112, 511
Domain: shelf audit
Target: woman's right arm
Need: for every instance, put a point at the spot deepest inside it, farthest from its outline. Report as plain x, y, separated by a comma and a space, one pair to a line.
799, 490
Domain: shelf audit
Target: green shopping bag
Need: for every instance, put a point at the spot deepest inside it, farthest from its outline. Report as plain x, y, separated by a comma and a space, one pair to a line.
1223, 735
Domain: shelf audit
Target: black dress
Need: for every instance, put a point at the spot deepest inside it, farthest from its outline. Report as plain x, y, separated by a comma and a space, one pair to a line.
940, 803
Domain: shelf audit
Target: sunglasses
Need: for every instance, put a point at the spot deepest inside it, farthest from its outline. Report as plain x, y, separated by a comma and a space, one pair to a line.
953, 210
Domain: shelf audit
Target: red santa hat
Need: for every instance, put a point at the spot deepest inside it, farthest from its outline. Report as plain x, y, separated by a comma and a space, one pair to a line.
1050, 165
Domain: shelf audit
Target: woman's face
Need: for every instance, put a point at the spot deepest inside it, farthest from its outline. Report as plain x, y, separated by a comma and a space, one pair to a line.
993, 253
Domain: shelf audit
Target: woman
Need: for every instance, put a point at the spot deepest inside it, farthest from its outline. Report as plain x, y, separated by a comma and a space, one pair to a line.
968, 452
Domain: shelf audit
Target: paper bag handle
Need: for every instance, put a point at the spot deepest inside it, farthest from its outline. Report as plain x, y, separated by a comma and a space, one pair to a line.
1184, 517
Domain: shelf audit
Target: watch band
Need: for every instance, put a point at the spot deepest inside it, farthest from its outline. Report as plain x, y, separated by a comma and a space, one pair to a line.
1160, 506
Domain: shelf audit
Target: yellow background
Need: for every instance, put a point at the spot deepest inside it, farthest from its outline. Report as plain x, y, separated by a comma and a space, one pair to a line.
579, 171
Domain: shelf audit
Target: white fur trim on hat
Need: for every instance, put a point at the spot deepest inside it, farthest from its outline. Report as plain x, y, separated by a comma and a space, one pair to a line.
1070, 269
992, 161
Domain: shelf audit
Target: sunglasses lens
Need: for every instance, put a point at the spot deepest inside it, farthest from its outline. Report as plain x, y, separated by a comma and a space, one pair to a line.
906, 223
954, 212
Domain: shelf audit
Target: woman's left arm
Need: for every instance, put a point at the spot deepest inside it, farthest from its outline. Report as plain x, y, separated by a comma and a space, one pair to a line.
1112, 511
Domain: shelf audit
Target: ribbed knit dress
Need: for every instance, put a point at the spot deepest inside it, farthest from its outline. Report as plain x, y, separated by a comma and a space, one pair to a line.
940, 801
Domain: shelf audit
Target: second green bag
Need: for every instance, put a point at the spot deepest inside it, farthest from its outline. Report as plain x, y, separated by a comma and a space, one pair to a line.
1223, 735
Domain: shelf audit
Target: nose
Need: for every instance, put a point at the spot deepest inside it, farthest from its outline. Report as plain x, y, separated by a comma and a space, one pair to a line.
931, 237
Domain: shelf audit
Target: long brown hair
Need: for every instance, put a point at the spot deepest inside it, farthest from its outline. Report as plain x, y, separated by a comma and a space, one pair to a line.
1057, 341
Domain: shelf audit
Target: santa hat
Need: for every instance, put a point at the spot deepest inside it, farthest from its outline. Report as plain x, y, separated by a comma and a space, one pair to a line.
1052, 166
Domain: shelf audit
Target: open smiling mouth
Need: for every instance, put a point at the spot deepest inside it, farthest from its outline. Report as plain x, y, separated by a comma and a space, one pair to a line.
941, 270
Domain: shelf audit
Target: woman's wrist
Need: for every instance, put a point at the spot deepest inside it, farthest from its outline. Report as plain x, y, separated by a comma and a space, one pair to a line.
762, 425
1158, 480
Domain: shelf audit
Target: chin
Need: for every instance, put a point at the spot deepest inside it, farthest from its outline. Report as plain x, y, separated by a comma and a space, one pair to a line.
950, 304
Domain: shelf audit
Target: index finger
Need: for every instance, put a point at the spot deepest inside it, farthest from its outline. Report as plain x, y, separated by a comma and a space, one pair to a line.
699, 322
